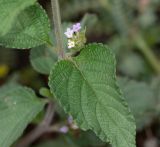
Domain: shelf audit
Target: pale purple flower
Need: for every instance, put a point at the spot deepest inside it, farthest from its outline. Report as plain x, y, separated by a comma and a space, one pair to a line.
76, 27
69, 33
63, 129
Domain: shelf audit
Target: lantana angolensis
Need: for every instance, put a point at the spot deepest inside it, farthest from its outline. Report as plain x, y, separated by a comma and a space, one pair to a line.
76, 37
76, 27
71, 44
69, 33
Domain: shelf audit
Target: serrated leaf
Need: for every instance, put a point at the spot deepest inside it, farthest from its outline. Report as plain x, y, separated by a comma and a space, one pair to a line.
30, 29
127, 65
43, 59
86, 88
9, 9
18, 106
140, 98
88, 20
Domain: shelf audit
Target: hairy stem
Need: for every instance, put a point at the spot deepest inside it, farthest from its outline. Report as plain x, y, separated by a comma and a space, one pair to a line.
147, 52
42, 128
57, 27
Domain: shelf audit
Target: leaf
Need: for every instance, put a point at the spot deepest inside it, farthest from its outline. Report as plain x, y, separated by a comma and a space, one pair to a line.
155, 85
42, 59
90, 21
86, 88
18, 106
9, 9
127, 65
30, 29
140, 98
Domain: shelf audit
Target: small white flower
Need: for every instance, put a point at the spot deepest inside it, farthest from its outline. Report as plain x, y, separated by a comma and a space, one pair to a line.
69, 33
74, 126
71, 44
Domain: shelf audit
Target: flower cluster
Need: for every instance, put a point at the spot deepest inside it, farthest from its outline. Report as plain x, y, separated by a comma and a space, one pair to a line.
72, 123
76, 37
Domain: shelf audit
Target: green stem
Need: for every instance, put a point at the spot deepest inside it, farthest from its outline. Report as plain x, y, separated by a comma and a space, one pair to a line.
57, 27
147, 52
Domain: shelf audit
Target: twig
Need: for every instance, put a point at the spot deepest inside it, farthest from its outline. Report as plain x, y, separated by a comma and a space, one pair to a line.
42, 128
57, 27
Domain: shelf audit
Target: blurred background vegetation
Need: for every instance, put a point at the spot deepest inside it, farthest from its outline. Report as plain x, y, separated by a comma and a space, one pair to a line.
131, 28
